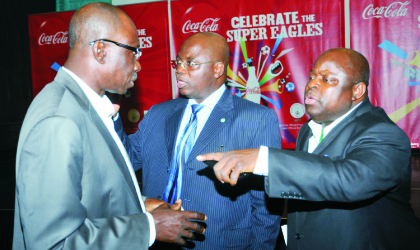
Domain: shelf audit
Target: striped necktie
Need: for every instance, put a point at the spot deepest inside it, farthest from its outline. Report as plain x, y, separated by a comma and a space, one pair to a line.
183, 149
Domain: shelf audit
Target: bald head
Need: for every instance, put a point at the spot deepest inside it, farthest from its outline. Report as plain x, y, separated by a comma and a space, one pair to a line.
93, 21
214, 43
354, 63
105, 65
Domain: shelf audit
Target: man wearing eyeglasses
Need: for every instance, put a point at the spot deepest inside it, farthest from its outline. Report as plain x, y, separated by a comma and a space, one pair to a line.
75, 185
207, 117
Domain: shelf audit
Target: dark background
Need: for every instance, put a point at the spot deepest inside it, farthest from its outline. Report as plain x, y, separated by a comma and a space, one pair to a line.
16, 96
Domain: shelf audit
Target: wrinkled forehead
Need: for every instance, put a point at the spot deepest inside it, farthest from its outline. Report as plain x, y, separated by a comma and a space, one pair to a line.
338, 58
195, 48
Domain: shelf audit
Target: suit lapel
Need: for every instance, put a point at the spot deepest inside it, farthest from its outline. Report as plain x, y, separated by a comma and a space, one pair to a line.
65, 79
214, 125
302, 142
172, 126
363, 108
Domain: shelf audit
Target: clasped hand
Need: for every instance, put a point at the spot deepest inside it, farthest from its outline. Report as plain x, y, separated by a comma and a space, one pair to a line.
173, 225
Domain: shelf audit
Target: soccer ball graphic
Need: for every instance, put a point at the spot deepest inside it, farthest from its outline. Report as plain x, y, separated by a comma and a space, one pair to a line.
290, 87
265, 50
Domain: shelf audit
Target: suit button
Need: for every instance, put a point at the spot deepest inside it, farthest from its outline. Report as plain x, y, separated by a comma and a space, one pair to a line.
298, 236
159, 197
167, 170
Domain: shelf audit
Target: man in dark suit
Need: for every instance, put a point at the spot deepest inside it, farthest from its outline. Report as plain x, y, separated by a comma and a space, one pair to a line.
237, 216
348, 182
75, 186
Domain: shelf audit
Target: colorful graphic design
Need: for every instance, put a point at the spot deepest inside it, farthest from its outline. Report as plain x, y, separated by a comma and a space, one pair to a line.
258, 83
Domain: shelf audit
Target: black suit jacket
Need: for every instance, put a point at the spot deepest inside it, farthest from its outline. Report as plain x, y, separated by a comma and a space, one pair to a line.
353, 191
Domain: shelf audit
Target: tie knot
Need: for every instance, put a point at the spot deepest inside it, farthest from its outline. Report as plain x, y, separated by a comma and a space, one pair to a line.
196, 107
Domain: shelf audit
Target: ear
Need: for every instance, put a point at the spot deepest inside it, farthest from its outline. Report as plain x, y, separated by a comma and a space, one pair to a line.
359, 90
219, 69
98, 51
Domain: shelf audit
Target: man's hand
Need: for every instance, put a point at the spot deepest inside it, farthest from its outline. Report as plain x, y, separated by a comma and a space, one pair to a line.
151, 204
232, 163
116, 109
173, 226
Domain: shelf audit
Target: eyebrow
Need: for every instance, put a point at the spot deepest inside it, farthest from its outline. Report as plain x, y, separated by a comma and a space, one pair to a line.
325, 72
190, 58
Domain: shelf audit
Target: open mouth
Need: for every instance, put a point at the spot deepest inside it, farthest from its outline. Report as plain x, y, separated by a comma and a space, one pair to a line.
134, 77
309, 99
181, 84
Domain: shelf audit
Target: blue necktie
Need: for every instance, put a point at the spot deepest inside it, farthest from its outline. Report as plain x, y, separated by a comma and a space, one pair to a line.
182, 151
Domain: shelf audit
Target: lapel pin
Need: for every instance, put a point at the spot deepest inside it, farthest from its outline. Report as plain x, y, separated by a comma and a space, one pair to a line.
222, 120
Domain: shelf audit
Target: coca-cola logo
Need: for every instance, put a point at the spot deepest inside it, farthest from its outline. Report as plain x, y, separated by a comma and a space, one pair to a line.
395, 9
200, 17
255, 90
208, 25
58, 38
52, 38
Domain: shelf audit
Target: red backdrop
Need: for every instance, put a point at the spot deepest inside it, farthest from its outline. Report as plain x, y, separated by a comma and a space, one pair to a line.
49, 45
387, 32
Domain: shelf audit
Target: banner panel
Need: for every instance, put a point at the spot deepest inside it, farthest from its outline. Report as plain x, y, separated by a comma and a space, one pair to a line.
273, 45
66, 5
387, 32
49, 49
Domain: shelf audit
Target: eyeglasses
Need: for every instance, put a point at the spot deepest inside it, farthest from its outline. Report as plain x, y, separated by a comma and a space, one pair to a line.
137, 52
189, 65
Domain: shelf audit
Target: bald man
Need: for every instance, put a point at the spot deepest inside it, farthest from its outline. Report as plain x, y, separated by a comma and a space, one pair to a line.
348, 182
75, 185
238, 217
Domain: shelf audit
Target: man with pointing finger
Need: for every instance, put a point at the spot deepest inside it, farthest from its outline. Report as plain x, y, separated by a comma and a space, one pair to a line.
348, 182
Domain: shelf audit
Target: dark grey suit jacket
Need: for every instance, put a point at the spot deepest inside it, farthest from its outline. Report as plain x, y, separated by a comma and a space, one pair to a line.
73, 188
353, 191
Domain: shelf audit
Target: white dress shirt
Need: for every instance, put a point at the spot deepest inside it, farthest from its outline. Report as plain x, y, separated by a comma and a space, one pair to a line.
105, 110
203, 114
261, 167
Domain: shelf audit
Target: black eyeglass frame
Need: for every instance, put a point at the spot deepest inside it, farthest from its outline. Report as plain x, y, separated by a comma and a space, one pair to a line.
137, 51
174, 63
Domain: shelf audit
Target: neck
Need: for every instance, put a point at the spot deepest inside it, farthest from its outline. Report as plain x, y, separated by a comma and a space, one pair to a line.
84, 72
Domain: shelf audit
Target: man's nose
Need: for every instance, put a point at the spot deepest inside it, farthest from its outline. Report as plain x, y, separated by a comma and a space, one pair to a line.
180, 69
137, 66
312, 84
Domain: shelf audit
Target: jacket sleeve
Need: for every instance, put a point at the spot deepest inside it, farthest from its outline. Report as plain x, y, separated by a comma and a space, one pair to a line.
132, 143
373, 160
266, 214
49, 194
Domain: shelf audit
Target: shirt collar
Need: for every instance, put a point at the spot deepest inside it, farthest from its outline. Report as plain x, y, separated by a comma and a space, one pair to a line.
212, 99
317, 128
102, 105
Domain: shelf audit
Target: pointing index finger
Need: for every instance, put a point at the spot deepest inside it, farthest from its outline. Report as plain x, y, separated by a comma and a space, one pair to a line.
210, 156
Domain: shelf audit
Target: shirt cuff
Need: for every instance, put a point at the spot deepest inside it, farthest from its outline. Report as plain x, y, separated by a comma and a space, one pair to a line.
261, 167
152, 229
